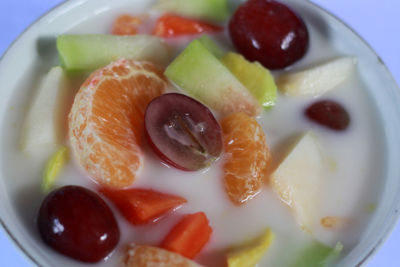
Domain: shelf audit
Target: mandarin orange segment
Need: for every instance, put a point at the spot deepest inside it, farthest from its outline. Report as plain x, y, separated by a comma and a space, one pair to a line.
107, 117
126, 25
147, 256
247, 157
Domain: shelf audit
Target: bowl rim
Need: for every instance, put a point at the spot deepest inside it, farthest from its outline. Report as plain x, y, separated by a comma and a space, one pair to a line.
393, 220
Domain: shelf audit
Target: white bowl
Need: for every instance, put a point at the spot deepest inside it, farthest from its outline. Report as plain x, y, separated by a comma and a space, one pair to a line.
29, 58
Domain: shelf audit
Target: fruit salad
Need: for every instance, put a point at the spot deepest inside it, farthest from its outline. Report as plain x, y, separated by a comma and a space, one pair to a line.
201, 133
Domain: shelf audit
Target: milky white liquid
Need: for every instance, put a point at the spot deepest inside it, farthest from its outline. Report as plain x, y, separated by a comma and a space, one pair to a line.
348, 189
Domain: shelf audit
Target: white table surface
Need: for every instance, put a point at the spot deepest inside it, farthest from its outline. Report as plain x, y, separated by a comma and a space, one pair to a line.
378, 22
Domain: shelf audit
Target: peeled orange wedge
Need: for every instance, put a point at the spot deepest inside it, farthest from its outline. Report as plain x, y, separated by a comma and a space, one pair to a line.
106, 120
147, 256
247, 157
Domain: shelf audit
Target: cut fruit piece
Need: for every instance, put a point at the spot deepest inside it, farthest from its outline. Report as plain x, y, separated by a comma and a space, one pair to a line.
214, 10
319, 79
247, 157
189, 236
251, 252
53, 167
182, 132
77, 223
283, 40
329, 113
126, 25
92, 51
141, 206
257, 79
317, 255
211, 46
297, 180
172, 26
197, 71
106, 122
43, 125
147, 256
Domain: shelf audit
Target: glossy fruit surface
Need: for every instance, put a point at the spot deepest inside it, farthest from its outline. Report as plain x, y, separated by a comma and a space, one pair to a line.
141, 206
269, 32
329, 114
78, 223
106, 120
182, 131
247, 157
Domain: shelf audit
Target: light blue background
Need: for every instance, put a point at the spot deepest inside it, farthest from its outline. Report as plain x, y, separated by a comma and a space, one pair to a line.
378, 22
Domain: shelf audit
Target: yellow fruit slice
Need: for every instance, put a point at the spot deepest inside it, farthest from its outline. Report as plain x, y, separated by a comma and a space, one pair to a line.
53, 167
251, 252
257, 79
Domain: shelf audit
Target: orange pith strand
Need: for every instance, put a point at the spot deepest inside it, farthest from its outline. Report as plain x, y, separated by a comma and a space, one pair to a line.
106, 120
247, 157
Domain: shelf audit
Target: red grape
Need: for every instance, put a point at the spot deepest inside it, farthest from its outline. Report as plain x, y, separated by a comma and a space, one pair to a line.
78, 223
182, 131
330, 114
269, 32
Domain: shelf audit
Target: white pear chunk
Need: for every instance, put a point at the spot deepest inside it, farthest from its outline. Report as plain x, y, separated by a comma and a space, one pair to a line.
298, 178
319, 79
43, 126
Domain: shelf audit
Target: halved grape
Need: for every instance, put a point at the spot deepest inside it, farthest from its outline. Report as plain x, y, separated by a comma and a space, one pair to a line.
182, 131
269, 32
329, 114
78, 223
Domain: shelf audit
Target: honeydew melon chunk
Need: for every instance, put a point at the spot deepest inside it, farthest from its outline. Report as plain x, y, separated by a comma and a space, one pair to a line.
319, 79
251, 252
198, 72
216, 10
91, 51
257, 79
53, 167
297, 180
317, 255
43, 125
211, 46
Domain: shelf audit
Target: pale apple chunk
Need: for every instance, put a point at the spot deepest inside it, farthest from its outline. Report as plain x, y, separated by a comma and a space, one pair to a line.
297, 180
43, 125
319, 79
